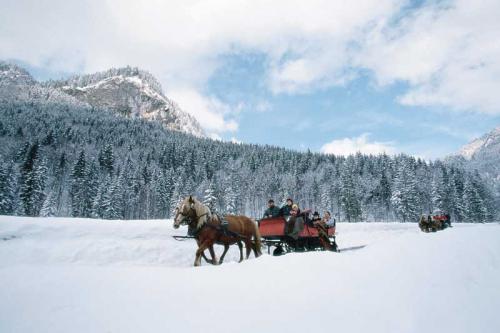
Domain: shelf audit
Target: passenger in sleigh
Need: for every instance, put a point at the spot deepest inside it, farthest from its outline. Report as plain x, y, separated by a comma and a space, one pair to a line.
322, 225
294, 222
315, 218
272, 210
287, 208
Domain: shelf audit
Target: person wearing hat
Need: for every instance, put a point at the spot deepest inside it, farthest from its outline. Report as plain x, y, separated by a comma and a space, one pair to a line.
272, 210
315, 219
287, 208
322, 225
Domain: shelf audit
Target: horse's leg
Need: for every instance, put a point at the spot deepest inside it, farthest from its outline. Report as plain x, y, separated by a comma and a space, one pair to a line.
204, 245
212, 253
203, 255
255, 251
248, 246
240, 246
226, 247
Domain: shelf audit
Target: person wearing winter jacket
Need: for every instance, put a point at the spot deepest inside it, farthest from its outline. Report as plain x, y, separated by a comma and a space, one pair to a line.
295, 222
287, 208
272, 210
314, 220
327, 217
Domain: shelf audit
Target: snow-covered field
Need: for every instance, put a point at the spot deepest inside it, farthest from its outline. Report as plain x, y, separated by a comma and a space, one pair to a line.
76, 275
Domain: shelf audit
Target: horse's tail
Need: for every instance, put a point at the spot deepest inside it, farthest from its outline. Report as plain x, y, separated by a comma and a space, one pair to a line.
257, 239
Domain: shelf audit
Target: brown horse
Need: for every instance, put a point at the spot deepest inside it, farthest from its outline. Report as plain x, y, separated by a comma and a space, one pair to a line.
191, 219
426, 226
208, 230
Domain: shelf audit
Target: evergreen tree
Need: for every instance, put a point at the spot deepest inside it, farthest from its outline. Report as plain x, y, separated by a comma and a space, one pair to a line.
351, 205
78, 186
49, 206
107, 159
209, 198
405, 198
385, 194
155, 168
33, 177
475, 210
7, 190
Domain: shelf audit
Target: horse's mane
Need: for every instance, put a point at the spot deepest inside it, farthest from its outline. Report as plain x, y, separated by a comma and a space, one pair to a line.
200, 209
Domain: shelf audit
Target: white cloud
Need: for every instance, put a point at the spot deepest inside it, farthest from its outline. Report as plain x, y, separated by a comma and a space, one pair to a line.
348, 146
448, 54
210, 111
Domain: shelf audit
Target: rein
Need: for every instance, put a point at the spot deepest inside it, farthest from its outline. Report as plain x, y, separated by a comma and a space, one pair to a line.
188, 219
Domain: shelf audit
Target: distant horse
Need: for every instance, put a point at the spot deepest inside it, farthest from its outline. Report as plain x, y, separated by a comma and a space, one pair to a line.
434, 225
208, 230
424, 224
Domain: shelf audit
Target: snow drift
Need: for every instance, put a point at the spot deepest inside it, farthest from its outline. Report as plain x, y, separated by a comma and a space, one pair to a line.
60, 275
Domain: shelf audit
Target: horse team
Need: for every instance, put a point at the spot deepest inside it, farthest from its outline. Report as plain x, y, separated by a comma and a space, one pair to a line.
209, 229
438, 221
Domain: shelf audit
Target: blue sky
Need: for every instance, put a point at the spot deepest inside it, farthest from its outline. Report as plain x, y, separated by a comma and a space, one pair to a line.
309, 120
419, 77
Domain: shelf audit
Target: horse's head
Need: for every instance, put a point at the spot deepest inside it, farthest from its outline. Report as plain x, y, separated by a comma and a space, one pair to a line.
185, 213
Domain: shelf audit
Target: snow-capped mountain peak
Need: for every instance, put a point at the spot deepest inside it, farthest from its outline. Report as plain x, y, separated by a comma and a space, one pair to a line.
13, 74
487, 140
130, 92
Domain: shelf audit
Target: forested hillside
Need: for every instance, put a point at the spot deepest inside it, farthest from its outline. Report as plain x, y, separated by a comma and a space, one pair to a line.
69, 160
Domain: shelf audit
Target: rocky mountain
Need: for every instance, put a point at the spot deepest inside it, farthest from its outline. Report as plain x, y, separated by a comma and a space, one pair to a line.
488, 142
482, 154
128, 92
16, 84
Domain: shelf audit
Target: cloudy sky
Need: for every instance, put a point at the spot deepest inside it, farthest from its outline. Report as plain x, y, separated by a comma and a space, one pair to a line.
421, 77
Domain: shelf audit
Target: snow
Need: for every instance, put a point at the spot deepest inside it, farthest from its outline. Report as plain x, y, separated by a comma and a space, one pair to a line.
470, 149
80, 275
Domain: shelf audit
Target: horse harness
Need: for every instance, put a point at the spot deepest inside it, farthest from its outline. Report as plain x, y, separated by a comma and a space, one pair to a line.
194, 231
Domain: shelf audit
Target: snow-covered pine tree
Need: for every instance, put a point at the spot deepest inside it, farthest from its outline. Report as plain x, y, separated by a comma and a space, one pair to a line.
98, 204
209, 198
107, 158
7, 189
457, 197
163, 191
385, 194
49, 206
475, 210
78, 186
405, 198
91, 186
437, 194
349, 200
33, 177
263, 171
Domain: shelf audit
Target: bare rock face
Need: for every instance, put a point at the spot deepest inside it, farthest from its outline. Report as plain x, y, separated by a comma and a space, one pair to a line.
130, 92
16, 84
483, 154
489, 141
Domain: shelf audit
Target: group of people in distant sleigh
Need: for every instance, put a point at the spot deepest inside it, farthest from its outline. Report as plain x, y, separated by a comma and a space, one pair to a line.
295, 220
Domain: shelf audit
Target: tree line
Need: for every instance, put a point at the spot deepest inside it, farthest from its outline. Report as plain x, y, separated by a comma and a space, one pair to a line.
69, 160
